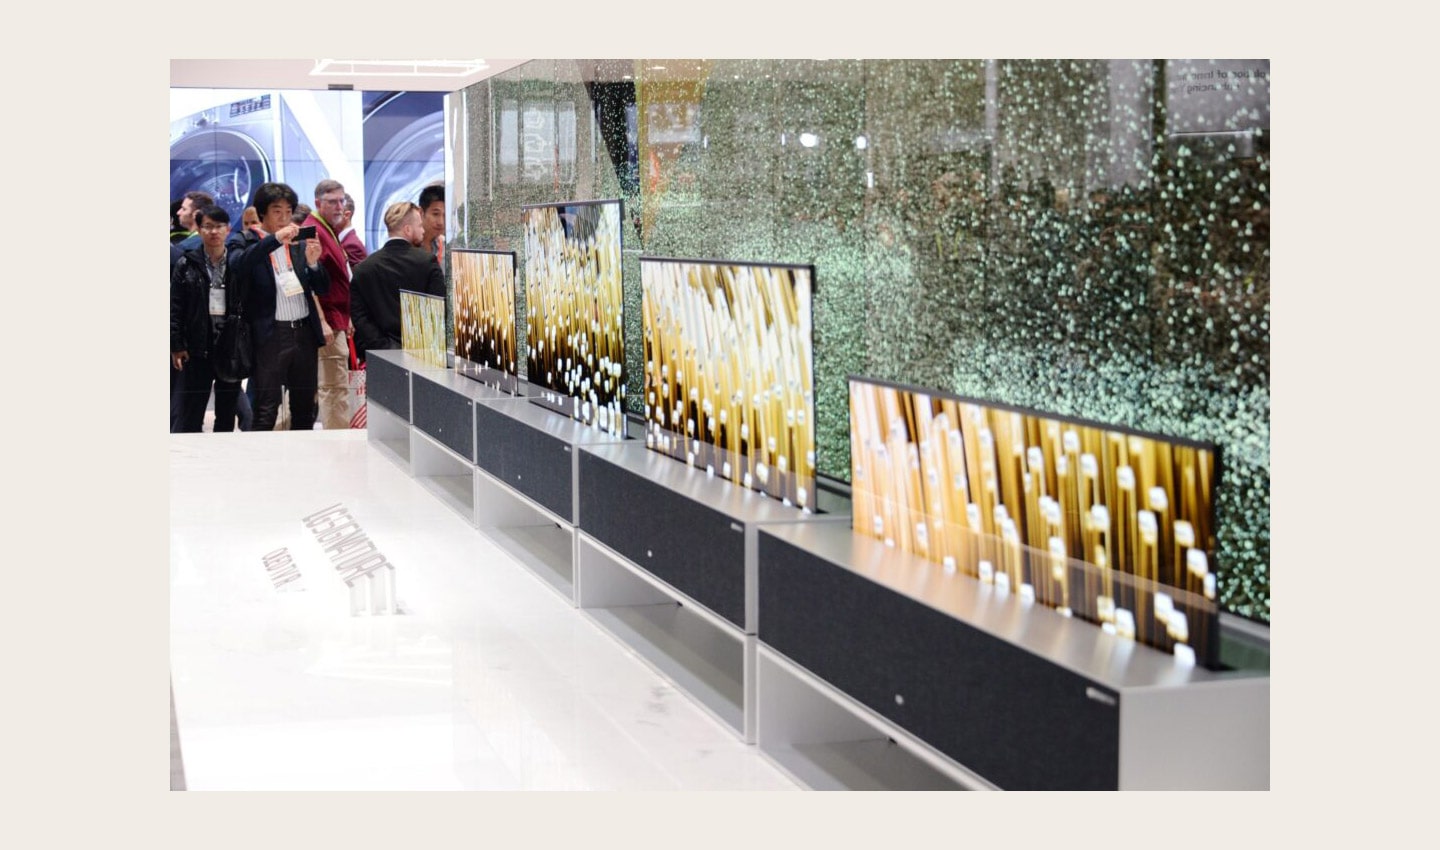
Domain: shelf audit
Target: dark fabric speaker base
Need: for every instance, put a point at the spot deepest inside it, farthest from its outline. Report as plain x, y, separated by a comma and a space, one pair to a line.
691, 547
534, 463
388, 384
1019, 720
445, 415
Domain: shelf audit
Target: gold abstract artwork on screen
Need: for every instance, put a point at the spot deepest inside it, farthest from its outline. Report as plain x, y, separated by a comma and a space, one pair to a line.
422, 327
485, 308
728, 372
1109, 526
574, 305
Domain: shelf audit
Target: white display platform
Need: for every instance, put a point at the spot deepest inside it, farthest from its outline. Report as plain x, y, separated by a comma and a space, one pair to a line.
485, 680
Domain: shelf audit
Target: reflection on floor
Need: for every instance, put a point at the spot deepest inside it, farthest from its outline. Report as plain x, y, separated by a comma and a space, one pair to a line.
177, 761
488, 679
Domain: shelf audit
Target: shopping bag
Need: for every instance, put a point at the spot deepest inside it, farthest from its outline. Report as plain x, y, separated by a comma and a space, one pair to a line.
357, 388
282, 416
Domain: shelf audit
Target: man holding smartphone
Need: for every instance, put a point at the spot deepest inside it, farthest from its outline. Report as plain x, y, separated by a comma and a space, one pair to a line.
333, 358
280, 276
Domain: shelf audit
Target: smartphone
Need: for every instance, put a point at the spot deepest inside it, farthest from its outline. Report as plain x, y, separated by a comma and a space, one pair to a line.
306, 232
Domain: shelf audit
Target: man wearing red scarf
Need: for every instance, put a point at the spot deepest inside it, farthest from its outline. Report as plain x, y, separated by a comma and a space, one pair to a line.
333, 358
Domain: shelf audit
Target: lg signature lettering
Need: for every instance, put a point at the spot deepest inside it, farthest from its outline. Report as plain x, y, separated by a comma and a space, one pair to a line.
351, 551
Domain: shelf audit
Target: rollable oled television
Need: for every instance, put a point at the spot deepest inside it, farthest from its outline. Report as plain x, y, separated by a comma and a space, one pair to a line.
485, 326
1103, 523
729, 376
422, 326
574, 305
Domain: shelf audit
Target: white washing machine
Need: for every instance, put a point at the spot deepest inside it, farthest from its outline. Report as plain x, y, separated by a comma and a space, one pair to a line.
248, 138
226, 150
404, 150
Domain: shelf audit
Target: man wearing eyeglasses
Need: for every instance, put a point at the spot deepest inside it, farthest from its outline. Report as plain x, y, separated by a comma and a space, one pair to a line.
333, 358
199, 297
349, 240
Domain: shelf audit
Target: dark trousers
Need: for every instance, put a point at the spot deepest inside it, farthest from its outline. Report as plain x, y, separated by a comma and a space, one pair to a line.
286, 359
244, 410
177, 387
197, 379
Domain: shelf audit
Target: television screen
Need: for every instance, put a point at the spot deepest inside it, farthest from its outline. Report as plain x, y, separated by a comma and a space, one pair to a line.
485, 326
1102, 523
574, 303
422, 326
729, 381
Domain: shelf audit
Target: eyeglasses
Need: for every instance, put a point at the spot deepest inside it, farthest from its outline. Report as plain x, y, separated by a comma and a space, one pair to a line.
214, 227
331, 202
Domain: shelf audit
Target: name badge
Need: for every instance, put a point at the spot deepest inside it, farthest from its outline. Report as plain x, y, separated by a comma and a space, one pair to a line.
289, 283
217, 300
285, 273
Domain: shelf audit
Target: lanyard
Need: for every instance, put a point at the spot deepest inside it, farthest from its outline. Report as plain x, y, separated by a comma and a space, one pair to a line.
280, 260
217, 271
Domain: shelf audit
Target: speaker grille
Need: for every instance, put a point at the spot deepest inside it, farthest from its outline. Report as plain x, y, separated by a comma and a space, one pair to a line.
684, 543
388, 384
1015, 718
445, 415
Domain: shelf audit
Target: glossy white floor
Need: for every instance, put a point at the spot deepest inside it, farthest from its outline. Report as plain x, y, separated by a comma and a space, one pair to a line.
488, 680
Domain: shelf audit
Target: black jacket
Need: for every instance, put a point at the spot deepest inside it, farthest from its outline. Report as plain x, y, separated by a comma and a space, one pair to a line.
250, 266
190, 326
375, 286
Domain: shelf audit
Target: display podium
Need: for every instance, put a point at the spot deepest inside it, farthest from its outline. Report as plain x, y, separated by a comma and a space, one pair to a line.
930, 679
387, 406
526, 484
508, 466
442, 427
849, 663
667, 564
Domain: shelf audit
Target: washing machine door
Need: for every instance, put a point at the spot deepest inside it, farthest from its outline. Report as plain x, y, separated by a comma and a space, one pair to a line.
227, 164
404, 151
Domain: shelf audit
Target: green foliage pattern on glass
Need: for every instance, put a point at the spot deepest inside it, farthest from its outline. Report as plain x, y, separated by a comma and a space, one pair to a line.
1089, 238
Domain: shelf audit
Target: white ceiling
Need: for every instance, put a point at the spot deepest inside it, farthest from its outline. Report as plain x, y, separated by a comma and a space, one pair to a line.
296, 74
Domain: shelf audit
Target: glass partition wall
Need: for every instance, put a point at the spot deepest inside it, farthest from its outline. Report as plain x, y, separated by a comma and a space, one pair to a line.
1087, 237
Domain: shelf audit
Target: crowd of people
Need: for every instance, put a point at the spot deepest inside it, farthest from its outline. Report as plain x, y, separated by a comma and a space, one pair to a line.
314, 301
